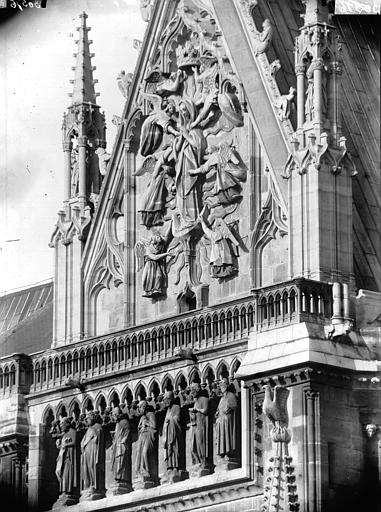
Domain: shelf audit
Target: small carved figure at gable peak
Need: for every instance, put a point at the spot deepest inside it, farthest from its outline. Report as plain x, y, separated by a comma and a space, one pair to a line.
146, 9
275, 66
124, 82
284, 104
103, 158
264, 37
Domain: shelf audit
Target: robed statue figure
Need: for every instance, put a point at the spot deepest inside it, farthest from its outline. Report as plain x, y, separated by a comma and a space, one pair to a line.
121, 452
66, 467
146, 463
93, 458
226, 422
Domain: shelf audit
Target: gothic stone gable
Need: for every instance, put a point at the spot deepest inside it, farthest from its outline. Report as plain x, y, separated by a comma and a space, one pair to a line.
189, 184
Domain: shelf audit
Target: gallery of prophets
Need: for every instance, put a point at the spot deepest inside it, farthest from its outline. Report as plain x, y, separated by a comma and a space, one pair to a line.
211, 338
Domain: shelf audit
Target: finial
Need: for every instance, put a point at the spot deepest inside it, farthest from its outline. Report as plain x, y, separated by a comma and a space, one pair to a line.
83, 83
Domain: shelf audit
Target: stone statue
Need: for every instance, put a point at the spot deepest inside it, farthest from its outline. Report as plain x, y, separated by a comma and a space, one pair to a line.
74, 172
93, 459
161, 186
103, 158
309, 104
172, 433
228, 176
145, 9
226, 424
188, 151
224, 248
152, 256
121, 452
161, 120
310, 91
124, 82
265, 37
199, 430
284, 104
145, 461
66, 467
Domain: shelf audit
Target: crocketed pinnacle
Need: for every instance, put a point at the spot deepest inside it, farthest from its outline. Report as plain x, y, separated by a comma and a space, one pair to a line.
83, 90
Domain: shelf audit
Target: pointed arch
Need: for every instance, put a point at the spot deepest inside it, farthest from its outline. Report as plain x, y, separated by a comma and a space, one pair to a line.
48, 416
194, 375
74, 408
181, 381
236, 363
88, 404
154, 388
222, 370
62, 410
113, 398
167, 383
140, 391
127, 395
100, 401
208, 374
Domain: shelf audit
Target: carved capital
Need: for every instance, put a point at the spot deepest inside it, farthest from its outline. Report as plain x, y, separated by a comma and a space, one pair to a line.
311, 395
82, 141
317, 64
300, 69
67, 145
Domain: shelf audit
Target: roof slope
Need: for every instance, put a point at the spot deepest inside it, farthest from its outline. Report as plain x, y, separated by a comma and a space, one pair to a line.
26, 320
360, 117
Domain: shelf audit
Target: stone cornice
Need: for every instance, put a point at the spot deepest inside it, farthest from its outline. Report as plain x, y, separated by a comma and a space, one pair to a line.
315, 373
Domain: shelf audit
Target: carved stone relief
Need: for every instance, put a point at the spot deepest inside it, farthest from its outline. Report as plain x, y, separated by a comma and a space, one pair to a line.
193, 171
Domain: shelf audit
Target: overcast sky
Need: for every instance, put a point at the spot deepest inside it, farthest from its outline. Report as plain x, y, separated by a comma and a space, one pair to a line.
36, 55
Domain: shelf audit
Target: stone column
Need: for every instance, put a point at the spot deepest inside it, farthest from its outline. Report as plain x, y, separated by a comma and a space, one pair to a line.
82, 144
311, 398
67, 148
300, 73
318, 94
129, 233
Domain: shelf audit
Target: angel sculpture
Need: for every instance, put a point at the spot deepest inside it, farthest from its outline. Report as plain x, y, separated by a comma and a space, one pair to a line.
229, 175
103, 158
208, 95
284, 104
159, 189
224, 248
161, 120
275, 408
124, 82
265, 37
151, 256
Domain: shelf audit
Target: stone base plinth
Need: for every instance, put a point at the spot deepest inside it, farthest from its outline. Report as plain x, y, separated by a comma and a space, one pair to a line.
119, 488
92, 494
226, 464
198, 470
65, 500
174, 475
144, 482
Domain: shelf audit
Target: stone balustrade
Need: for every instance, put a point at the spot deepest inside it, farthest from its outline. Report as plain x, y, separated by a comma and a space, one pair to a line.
299, 300
143, 346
